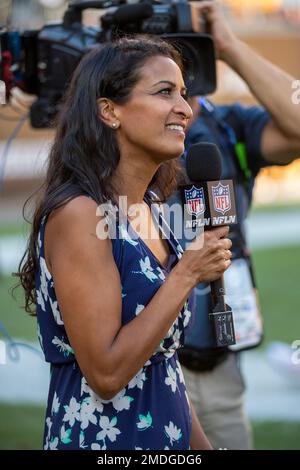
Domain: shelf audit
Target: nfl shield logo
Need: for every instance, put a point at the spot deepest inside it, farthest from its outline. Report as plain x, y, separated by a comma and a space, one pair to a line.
221, 198
195, 201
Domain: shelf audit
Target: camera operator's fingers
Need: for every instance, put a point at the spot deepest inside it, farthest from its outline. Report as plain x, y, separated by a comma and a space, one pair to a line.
218, 27
199, 14
21, 100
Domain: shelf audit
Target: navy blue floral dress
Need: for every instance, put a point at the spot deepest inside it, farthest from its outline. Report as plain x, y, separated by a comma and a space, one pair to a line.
152, 411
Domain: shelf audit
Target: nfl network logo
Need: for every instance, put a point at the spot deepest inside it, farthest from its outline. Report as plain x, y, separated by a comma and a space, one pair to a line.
195, 201
221, 198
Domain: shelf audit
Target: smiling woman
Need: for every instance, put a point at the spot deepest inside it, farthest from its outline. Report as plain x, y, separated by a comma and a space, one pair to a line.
162, 108
112, 311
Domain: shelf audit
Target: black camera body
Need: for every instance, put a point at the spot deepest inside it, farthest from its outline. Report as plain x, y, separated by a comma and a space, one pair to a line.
42, 62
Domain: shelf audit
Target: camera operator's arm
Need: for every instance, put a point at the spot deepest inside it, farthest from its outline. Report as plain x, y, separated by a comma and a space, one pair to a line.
198, 439
270, 85
20, 100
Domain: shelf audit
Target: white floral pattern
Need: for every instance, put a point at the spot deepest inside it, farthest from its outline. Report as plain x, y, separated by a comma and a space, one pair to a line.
48, 423
121, 401
173, 433
138, 309
72, 412
82, 444
96, 446
180, 373
147, 269
53, 443
45, 276
55, 404
108, 429
187, 314
94, 399
125, 235
40, 299
161, 274
65, 435
138, 380
171, 380
143, 415
56, 312
145, 422
63, 347
87, 415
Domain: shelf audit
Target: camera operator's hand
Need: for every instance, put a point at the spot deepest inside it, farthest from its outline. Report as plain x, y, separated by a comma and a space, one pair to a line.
20, 100
223, 36
271, 86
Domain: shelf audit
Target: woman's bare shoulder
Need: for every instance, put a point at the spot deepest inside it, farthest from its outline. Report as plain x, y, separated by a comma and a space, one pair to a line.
72, 229
78, 211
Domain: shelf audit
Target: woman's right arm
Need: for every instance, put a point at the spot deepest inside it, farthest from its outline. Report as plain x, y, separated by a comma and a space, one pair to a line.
88, 289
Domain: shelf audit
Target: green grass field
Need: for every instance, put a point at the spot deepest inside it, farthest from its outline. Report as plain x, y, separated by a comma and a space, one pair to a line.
16, 321
275, 208
21, 427
14, 229
278, 274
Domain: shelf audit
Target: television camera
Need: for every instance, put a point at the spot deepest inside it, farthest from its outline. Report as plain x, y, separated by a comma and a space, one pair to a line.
41, 62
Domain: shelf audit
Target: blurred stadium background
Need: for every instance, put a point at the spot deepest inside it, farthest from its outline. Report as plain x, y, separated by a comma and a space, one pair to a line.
273, 28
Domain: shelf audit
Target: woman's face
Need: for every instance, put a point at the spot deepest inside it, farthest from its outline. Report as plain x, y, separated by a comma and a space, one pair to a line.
154, 120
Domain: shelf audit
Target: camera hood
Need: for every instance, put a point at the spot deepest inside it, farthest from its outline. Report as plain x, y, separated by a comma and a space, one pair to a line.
199, 61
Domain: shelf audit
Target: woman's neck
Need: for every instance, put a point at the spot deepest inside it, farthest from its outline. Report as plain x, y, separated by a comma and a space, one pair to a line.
132, 179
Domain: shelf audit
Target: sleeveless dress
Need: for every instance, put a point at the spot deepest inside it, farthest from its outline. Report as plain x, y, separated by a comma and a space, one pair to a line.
152, 411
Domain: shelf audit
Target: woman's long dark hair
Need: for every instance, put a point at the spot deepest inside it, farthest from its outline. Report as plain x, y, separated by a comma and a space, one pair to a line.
85, 152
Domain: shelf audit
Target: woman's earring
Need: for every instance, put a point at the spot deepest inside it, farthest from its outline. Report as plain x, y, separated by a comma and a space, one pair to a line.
114, 125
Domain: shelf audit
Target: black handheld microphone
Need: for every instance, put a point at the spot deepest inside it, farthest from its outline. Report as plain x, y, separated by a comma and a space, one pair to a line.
210, 202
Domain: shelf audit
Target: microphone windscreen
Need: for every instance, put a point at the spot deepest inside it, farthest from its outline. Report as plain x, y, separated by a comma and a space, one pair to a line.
204, 162
131, 13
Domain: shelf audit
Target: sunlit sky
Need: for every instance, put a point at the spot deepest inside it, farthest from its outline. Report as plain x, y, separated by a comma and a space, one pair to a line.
265, 5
